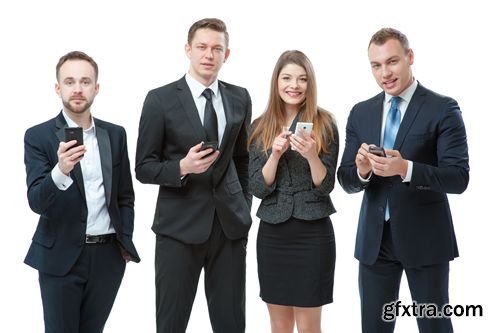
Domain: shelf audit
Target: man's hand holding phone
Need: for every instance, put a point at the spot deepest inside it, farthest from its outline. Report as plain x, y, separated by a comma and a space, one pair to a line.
72, 150
387, 162
199, 158
214, 145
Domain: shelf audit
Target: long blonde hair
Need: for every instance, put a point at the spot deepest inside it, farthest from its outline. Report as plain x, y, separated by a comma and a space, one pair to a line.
270, 123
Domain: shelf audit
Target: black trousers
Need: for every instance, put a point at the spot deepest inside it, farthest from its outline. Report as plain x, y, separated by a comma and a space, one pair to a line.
80, 301
379, 285
177, 269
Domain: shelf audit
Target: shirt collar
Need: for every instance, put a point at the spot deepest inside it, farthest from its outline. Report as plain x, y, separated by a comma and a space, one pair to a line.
197, 88
406, 95
71, 123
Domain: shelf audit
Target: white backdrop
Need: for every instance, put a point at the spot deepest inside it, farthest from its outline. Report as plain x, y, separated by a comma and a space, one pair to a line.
139, 45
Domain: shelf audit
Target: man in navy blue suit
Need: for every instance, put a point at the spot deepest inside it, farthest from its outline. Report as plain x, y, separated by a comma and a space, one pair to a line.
85, 199
405, 222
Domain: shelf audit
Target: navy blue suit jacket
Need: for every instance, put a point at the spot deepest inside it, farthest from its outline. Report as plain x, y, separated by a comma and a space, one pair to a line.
60, 235
170, 125
432, 135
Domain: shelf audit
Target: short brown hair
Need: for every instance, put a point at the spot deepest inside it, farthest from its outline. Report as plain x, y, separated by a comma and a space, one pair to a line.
76, 55
384, 34
208, 23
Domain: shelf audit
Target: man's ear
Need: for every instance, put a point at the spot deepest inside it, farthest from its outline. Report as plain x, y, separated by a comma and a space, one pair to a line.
226, 54
187, 49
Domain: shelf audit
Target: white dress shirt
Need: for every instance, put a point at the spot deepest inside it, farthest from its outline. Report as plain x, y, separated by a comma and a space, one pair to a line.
98, 220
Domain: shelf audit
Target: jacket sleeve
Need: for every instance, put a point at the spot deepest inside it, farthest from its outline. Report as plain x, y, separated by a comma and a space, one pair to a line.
257, 186
39, 162
450, 173
150, 165
240, 154
330, 162
347, 173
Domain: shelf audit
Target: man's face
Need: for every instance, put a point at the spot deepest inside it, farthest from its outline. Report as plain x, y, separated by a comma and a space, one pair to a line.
76, 85
391, 66
207, 53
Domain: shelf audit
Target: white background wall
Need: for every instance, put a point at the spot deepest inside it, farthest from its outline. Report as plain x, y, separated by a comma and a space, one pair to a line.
139, 45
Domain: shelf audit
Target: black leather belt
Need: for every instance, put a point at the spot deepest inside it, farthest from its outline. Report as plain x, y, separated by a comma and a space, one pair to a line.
99, 239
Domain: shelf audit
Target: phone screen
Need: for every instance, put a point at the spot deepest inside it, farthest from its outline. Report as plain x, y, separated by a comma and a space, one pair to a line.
379, 151
74, 133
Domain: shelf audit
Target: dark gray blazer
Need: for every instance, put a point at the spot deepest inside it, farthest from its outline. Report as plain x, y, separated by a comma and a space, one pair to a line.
170, 125
293, 193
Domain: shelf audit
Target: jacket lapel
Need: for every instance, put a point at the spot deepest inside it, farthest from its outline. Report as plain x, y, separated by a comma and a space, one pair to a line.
189, 106
227, 101
106, 158
374, 119
413, 109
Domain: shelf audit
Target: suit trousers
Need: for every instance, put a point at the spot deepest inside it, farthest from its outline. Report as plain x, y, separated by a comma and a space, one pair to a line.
178, 267
379, 284
80, 301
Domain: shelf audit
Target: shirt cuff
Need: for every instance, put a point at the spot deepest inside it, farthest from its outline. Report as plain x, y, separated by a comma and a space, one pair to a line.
364, 180
409, 172
62, 181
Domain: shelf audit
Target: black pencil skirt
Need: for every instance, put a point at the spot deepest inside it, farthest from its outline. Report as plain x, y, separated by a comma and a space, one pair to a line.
296, 262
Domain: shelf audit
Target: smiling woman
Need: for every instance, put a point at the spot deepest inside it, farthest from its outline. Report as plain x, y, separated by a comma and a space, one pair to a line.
295, 242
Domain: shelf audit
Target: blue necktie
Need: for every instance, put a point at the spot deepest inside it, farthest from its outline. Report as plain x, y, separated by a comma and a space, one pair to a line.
391, 130
392, 123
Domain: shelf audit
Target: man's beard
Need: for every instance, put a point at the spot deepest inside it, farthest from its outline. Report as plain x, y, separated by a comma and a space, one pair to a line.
81, 108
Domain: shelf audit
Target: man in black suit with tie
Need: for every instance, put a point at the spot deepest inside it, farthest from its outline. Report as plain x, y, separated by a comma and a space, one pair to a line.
85, 199
202, 214
405, 222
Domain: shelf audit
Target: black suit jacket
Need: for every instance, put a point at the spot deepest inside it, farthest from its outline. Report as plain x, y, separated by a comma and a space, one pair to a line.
170, 125
60, 234
432, 135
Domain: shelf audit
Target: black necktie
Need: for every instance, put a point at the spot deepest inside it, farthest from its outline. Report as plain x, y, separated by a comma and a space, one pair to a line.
210, 117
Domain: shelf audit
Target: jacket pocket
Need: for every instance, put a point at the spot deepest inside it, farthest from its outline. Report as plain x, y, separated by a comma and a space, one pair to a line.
271, 200
44, 239
234, 187
310, 197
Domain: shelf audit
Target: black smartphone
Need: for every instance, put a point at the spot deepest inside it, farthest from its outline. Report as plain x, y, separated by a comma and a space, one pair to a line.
74, 133
210, 144
375, 150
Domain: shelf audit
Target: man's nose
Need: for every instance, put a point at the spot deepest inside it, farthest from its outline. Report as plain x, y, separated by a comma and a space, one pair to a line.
386, 71
209, 53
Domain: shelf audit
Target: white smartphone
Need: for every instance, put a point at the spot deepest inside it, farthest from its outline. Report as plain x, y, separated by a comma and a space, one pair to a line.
306, 127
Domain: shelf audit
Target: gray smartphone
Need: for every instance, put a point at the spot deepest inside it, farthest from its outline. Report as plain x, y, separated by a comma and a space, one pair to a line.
74, 133
210, 144
375, 150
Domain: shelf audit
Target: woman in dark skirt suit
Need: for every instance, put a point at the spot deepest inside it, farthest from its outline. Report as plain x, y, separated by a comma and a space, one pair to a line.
294, 174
